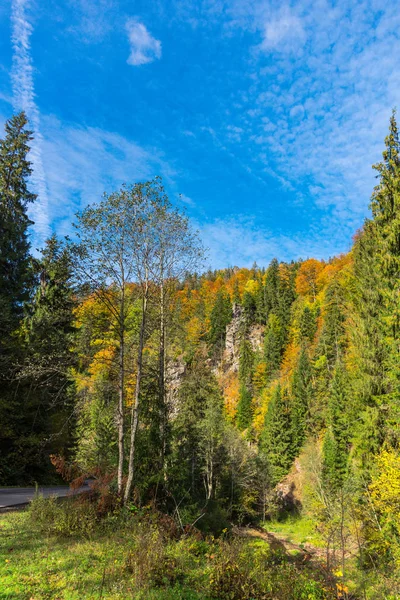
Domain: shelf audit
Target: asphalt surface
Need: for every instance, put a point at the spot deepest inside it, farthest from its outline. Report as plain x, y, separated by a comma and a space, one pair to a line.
20, 496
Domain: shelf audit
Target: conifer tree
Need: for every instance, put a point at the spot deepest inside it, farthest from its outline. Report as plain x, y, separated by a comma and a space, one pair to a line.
16, 283
273, 344
300, 399
220, 317
308, 326
337, 438
271, 289
276, 437
15, 273
376, 298
246, 367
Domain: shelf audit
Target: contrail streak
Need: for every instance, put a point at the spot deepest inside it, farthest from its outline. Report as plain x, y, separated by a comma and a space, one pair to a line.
24, 99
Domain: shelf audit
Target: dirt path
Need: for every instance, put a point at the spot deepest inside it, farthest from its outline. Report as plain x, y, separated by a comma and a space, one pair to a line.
305, 555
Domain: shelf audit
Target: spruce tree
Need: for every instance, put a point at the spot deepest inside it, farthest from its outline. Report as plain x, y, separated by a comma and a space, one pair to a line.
276, 437
15, 272
273, 344
337, 439
300, 399
376, 301
220, 317
271, 289
246, 367
16, 282
308, 325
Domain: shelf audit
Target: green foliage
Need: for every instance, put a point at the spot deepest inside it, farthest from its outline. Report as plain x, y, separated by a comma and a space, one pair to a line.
246, 368
244, 408
308, 325
273, 344
220, 317
276, 437
300, 393
336, 442
64, 518
15, 272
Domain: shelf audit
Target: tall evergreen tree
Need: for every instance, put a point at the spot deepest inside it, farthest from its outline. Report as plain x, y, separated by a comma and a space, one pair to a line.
16, 282
273, 344
276, 437
221, 316
246, 367
337, 439
300, 399
15, 272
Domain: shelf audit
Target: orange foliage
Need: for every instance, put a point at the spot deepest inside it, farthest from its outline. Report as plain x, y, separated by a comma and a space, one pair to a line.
231, 394
306, 279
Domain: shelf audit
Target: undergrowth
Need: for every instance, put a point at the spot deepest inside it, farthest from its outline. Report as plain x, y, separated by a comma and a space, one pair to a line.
64, 550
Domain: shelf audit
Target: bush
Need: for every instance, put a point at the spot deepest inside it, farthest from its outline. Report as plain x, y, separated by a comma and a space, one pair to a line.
242, 571
67, 517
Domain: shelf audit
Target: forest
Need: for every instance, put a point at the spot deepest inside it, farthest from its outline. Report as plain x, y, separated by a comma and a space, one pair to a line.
203, 406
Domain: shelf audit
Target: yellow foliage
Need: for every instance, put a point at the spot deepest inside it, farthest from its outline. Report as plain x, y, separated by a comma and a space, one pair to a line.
289, 360
259, 376
251, 286
261, 410
195, 329
385, 488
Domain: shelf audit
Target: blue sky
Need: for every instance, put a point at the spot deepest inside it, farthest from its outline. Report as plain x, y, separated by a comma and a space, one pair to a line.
263, 117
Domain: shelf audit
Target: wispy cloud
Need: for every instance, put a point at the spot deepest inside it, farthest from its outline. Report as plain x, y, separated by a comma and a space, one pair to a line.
144, 47
24, 99
84, 162
186, 200
239, 241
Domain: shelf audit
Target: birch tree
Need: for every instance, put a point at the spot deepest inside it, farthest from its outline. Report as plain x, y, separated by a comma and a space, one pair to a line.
106, 251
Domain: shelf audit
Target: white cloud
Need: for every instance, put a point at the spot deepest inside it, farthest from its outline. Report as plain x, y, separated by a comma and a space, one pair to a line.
84, 162
186, 199
24, 99
283, 32
144, 47
239, 241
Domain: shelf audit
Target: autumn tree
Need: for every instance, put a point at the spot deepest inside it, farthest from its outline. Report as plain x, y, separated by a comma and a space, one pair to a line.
109, 235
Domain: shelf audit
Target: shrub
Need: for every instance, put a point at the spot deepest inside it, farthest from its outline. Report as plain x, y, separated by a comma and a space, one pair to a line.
65, 517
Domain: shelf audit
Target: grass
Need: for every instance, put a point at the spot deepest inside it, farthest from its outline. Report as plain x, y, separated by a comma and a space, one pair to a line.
60, 551
36, 566
299, 530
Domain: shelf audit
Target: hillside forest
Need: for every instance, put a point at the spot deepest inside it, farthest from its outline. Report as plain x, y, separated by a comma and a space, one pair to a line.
217, 398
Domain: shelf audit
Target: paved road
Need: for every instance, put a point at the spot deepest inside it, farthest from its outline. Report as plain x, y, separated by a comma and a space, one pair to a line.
14, 496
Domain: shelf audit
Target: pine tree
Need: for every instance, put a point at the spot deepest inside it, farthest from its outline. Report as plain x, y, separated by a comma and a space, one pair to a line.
42, 424
308, 325
220, 317
271, 288
332, 341
246, 368
273, 344
300, 399
276, 437
244, 408
376, 302
16, 283
337, 439
249, 306
15, 272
